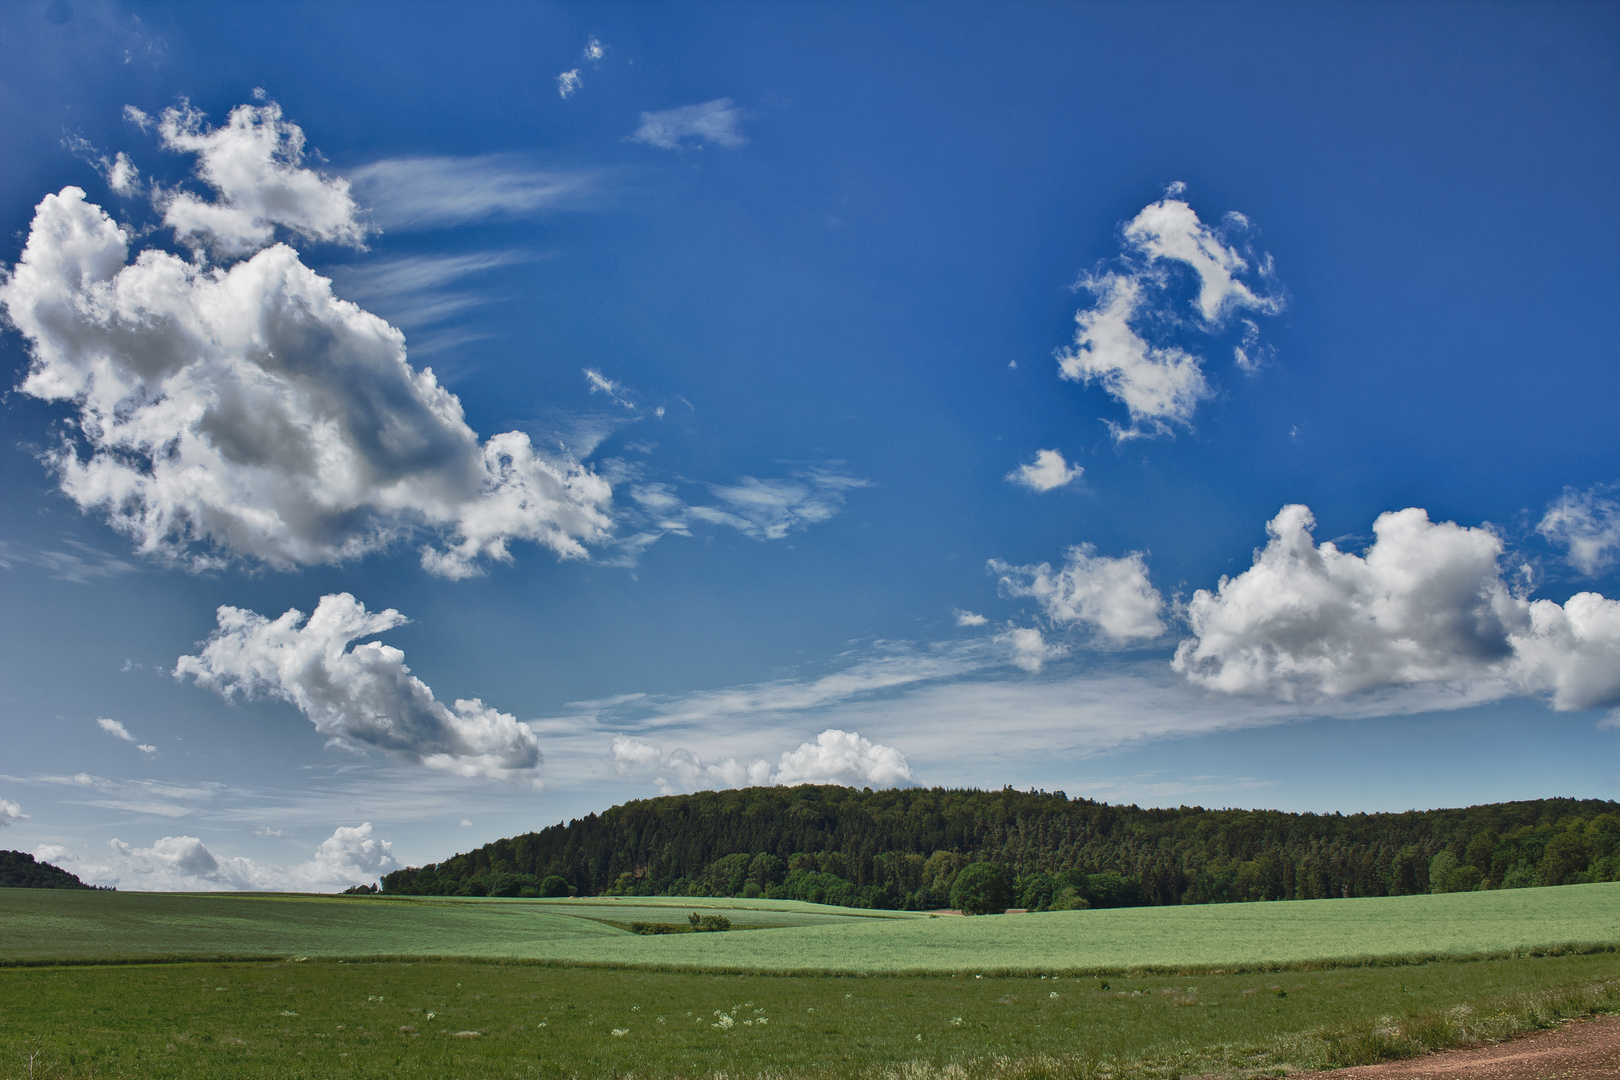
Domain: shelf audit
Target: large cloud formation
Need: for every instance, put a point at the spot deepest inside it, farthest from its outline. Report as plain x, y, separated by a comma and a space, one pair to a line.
362, 694
245, 409
1427, 604
350, 856
836, 757
1121, 341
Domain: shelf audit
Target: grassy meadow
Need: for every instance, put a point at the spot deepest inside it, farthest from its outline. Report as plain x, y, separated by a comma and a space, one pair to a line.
497, 988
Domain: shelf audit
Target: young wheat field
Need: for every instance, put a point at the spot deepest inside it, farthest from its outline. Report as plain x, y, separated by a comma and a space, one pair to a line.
494, 989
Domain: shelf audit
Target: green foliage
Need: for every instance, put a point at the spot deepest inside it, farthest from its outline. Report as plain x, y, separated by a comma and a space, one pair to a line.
902, 850
980, 889
370, 1021
18, 870
639, 927
554, 885
1520, 876
704, 924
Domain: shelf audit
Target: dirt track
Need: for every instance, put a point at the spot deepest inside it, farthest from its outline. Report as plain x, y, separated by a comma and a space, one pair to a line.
1579, 1050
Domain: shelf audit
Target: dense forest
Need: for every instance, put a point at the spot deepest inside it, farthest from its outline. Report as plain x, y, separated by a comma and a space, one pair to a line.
18, 870
902, 849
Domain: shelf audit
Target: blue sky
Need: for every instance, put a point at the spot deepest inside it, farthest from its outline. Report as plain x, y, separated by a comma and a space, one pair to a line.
639, 398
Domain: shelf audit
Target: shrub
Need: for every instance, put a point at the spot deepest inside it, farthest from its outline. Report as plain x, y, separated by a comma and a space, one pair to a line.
554, 885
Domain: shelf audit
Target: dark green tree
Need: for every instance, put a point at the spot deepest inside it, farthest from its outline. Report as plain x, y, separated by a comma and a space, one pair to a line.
980, 889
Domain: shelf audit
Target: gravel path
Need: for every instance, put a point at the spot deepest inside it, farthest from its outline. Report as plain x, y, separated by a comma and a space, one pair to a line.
1578, 1050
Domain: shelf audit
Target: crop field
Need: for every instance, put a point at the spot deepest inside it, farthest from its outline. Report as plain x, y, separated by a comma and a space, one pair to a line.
493, 988
44, 925
459, 1019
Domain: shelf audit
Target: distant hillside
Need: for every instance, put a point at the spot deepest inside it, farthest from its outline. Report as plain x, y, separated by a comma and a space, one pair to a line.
18, 870
903, 848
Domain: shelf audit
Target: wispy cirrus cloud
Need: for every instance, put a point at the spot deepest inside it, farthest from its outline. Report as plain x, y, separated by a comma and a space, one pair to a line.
84, 565
152, 798
772, 508
714, 123
416, 290
1587, 525
765, 509
411, 193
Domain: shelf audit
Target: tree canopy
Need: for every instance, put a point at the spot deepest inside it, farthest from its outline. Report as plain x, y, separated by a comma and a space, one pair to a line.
903, 848
18, 870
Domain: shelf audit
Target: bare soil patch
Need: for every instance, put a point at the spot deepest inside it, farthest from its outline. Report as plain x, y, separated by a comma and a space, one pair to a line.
1577, 1050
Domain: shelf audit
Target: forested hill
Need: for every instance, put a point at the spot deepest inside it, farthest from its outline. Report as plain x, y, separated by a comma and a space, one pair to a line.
18, 870
902, 848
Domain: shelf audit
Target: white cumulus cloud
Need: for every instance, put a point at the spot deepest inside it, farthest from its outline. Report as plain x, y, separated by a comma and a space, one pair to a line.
835, 757
254, 163
249, 411
1572, 651
1587, 523
10, 813
118, 730
568, 84
969, 618
711, 122
1426, 605
1112, 598
1122, 338
350, 856
359, 694
1047, 472
842, 757
1170, 230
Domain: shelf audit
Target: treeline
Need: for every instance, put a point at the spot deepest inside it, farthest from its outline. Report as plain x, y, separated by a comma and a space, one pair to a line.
18, 870
902, 849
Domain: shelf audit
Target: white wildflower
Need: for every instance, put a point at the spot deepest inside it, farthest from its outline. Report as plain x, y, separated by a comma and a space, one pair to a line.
619, 1033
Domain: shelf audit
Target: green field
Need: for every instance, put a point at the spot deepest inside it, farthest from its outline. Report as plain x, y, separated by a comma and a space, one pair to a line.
492, 988
472, 1021
47, 925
